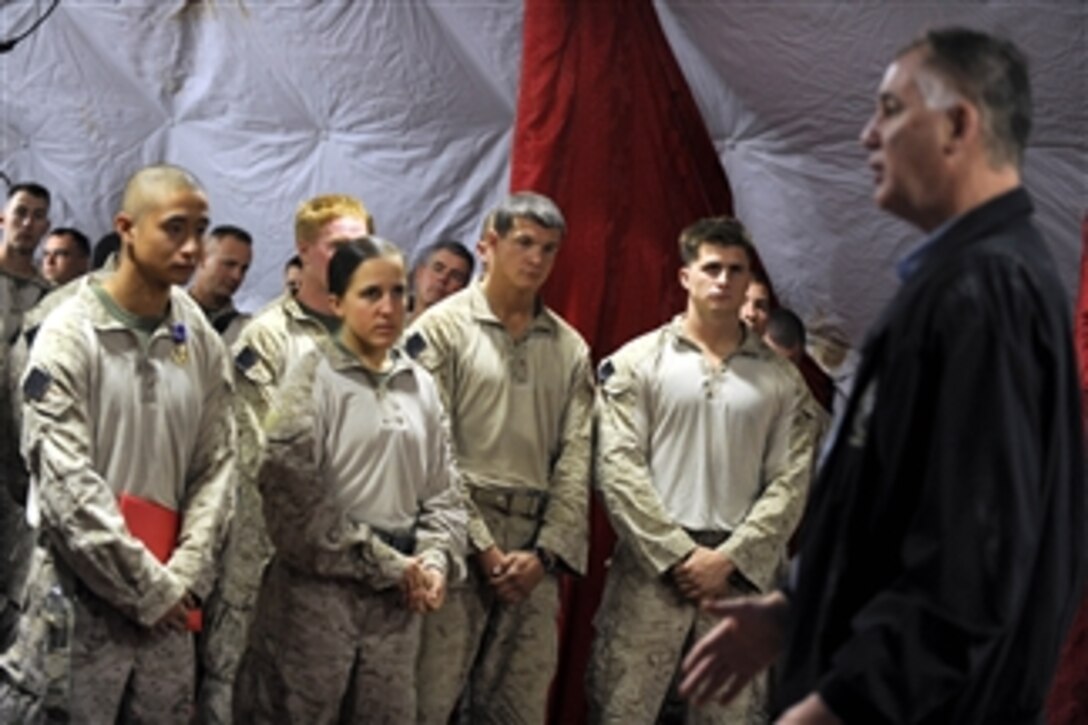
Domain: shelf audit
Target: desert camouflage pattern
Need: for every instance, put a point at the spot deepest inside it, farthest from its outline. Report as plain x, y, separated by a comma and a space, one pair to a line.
327, 651
644, 624
81, 434
17, 296
277, 337
642, 629
521, 415
514, 648
331, 637
520, 412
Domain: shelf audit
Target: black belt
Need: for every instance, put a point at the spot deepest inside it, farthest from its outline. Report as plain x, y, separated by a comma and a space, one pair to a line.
710, 539
402, 541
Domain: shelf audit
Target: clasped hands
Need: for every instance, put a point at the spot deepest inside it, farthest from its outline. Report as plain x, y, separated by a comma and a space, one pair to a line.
703, 575
513, 575
423, 587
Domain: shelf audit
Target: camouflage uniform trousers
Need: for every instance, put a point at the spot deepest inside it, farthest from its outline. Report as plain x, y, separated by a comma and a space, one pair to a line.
229, 610
327, 650
643, 628
501, 657
16, 546
104, 669
16, 536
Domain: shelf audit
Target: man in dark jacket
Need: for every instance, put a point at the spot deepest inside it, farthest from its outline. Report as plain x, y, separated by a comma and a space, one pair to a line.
944, 554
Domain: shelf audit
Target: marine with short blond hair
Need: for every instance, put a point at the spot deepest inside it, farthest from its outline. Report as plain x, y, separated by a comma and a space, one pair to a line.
275, 339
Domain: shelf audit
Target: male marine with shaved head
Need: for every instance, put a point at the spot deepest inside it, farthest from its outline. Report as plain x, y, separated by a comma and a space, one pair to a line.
129, 442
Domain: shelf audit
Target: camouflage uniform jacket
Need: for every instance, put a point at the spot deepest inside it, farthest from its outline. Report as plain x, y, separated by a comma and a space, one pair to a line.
353, 457
683, 447
17, 295
228, 322
520, 412
277, 337
107, 415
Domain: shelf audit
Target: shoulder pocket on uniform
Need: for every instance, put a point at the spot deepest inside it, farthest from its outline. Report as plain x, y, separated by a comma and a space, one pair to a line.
41, 392
611, 380
252, 366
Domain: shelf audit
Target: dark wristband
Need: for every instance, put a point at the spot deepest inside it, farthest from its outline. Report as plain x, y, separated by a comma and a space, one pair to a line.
547, 559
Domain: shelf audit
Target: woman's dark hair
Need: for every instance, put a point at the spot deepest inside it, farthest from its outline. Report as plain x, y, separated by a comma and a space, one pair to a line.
351, 254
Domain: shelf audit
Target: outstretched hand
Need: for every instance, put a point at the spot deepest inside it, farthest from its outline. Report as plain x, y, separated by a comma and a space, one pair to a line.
744, 643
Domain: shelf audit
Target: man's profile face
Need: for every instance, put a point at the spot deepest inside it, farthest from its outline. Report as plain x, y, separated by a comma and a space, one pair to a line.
62, 259
904, 138
440, 275
757, 307
26, 219
226, 262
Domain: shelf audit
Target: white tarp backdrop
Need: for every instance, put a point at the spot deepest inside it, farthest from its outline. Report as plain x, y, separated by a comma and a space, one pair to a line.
409, 104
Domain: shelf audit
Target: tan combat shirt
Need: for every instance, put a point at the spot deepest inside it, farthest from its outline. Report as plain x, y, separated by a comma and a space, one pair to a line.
277, 337
684, 446
520, 411
229, 322
17, 295
107, 413
352, 454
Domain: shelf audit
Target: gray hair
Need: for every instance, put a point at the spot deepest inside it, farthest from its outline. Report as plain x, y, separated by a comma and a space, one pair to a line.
987, 71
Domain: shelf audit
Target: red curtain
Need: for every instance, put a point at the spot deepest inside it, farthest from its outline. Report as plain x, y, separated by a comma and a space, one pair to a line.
1068, 702
607, 127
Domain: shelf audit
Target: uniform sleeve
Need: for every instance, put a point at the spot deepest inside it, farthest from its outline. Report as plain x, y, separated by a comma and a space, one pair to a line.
443, 517
432, 342
209, 496
78, 508
758, 546
12, 365
564, 530
255, 375
971, 453
623, 474
308, 534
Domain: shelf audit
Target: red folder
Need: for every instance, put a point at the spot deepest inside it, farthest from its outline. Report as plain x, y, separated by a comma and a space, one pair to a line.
157, 527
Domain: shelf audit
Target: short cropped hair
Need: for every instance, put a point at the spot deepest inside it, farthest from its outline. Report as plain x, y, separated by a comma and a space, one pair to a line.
453, 247
295, 261
720, 231
33, 189
989, 72
83, 244
527, 205
348, 257
315, 213
786, 329
229, 230
146, 186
